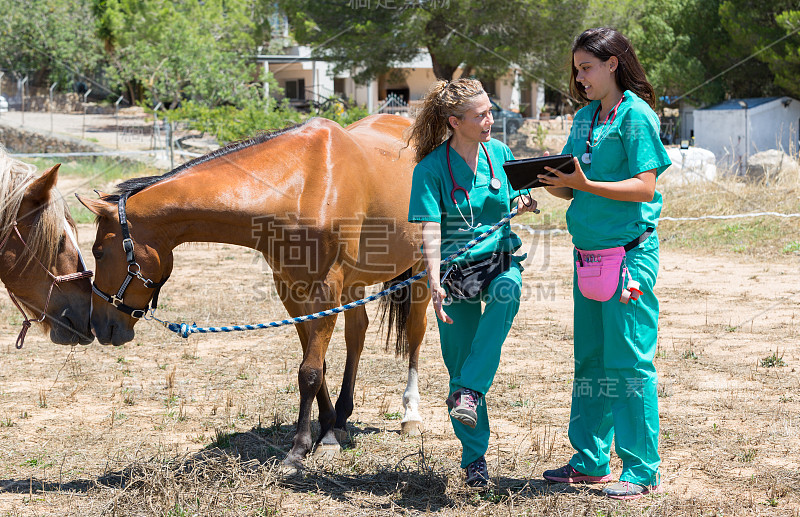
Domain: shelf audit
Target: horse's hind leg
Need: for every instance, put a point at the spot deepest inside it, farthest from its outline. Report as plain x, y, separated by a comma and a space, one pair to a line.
415, 328
355, 329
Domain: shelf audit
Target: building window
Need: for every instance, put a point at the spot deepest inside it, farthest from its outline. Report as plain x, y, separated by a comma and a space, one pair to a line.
338, 86
490, 87
296, 89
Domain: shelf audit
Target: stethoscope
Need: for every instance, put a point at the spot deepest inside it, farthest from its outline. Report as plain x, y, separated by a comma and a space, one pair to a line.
587, 156
494, 184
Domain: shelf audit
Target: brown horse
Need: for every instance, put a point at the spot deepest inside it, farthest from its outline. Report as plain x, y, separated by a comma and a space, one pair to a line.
326, 206
40, 262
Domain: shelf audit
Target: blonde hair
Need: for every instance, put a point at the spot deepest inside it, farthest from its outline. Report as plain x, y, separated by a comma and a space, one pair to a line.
48, 228
445, 99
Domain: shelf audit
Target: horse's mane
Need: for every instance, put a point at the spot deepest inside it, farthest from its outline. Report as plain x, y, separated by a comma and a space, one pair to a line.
134, 185
48, 226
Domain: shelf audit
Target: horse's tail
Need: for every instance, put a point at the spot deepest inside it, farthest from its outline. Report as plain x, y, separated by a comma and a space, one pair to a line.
398, 307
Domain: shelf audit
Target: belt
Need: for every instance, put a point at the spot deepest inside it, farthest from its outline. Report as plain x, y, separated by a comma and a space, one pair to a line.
640, 239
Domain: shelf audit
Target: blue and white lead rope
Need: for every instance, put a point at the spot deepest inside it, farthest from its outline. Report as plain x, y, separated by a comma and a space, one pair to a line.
185, 330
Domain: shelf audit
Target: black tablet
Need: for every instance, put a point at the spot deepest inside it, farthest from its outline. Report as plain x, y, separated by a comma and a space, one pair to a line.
522, 174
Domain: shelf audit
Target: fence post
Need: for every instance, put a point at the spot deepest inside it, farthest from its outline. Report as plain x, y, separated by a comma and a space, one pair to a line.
169, 143
83, 128
1, 82
156, 136
22, 90
116, 118
52, 86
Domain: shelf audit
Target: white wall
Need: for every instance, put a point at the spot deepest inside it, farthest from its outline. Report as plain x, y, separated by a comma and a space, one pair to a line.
730, 133
365, 95
419, 81
722, 133
507, 91
773, 126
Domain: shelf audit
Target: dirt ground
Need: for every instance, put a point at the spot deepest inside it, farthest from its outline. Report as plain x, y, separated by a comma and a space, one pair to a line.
116, 431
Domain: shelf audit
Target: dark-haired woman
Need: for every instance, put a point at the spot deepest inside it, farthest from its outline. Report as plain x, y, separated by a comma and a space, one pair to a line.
458, 191
612, 217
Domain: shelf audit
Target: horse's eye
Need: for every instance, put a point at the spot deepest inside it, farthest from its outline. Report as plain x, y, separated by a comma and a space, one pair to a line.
98, 253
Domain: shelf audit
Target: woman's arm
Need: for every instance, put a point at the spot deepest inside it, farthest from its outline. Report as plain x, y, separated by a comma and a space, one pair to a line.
640, 188
431, 246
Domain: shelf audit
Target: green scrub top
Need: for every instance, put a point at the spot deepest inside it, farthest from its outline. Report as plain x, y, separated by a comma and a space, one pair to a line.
431, 200
628, 145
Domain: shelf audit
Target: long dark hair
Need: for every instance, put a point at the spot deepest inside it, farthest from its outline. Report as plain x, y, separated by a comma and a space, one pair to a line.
604, 42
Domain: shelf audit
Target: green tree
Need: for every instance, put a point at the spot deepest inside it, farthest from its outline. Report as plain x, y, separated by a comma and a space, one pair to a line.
48, 40
166, 51
705, 47
784, 60
752, 26
767, 30
663, 48
367, 36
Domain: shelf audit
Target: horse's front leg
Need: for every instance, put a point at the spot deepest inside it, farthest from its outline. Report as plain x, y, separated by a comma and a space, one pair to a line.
324, 294
310, 383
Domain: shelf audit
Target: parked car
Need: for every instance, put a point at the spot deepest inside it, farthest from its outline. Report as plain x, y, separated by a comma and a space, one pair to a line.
3, 104
513, 120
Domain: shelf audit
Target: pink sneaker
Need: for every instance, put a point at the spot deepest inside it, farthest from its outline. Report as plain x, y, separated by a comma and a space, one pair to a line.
567, 474
463, 404
626, 490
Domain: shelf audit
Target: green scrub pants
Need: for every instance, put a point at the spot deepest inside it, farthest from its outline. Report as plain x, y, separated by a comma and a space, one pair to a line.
471, 350
614, 391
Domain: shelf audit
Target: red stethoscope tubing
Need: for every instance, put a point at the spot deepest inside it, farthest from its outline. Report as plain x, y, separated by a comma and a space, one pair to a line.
591, 126
456, 186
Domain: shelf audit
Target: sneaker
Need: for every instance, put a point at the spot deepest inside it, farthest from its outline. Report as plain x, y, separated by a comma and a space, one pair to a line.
462, 404
477, 473
567, 474
626, 490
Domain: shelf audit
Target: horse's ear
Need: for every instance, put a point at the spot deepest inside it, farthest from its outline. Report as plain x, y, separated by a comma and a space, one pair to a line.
98, 207
100, 193
39, 190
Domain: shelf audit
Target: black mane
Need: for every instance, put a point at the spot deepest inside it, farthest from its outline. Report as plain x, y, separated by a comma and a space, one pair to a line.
134, 185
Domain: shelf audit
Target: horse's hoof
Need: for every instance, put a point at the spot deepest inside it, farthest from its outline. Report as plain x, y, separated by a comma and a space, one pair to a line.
340, 434
327, 451
289, 468
411, 428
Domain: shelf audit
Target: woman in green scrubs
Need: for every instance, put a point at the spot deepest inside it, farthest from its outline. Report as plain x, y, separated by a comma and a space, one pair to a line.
618, 156
459, 190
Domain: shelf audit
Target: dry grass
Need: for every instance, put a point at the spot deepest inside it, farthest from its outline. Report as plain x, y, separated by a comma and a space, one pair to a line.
165, 427
757, 236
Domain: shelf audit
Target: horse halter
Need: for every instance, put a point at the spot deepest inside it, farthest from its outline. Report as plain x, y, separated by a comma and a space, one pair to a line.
86, 273
134, 271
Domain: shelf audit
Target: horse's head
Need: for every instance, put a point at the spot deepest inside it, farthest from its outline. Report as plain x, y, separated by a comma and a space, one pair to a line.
127, 275
39, 259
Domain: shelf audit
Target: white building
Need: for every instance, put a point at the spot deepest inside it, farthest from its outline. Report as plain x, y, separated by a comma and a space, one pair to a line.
738, 128
305, 79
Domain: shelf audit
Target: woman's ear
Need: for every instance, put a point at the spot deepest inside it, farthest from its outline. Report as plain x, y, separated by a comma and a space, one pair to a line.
613, 63
453, 120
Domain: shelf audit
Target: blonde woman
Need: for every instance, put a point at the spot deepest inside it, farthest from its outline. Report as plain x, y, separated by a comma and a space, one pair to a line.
458, 191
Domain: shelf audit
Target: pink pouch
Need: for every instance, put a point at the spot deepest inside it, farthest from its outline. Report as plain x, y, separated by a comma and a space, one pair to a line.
599, 272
